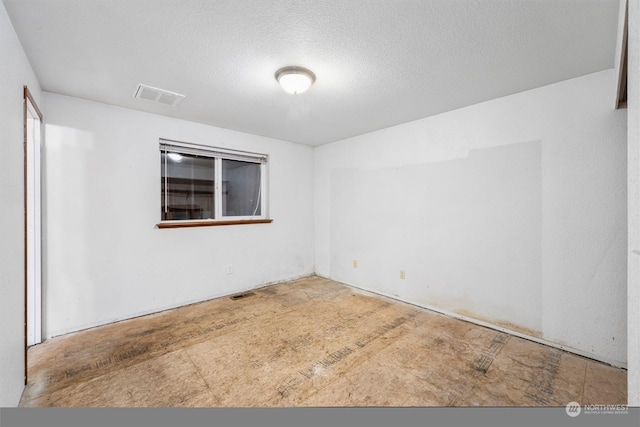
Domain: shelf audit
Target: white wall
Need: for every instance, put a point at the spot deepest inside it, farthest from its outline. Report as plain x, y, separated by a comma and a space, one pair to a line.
15, 72
633, 99
106, 261
510, 212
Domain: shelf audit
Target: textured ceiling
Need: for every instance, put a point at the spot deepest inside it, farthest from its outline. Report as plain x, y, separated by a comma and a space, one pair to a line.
378, 63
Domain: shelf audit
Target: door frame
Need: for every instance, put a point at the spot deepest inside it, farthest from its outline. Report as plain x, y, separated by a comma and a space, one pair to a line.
29, 104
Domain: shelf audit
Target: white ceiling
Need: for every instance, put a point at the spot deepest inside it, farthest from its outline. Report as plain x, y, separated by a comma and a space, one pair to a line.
378, 63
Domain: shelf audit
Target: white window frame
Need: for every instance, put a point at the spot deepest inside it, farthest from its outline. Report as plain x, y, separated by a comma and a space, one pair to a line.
219, 154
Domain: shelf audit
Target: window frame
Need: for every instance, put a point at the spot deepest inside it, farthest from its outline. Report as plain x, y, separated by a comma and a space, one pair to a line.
219, 154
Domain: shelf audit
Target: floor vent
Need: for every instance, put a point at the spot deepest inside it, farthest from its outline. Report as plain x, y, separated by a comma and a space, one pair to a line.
241, 296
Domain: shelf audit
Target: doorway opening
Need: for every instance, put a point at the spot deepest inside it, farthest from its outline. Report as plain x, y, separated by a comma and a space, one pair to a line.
33, 224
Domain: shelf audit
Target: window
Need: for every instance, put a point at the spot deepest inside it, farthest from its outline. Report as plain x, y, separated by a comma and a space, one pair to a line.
210, 186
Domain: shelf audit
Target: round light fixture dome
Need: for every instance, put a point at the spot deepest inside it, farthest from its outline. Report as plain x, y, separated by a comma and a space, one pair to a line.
295, 79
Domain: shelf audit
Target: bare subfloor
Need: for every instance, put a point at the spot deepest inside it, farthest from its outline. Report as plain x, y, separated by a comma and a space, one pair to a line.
311, 342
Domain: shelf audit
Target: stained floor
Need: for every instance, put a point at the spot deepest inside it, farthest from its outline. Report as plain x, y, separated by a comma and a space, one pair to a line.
310, 342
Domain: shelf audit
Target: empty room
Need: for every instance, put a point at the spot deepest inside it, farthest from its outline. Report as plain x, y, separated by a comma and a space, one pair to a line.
388, 203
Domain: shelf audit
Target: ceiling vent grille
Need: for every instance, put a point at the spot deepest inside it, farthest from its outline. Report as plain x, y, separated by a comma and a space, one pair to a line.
158, 95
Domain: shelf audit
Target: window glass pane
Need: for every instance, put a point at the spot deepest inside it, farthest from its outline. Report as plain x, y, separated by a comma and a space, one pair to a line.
190, 184
240, 188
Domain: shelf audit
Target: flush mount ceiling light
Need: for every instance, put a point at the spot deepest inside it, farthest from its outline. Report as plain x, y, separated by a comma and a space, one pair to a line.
295, 79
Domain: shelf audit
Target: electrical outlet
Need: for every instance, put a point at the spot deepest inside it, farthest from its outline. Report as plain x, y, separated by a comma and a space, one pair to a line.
230, 269
402, 274
355, 263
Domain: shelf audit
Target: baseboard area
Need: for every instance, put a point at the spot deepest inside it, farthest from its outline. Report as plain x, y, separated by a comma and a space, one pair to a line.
615, 363
48, 335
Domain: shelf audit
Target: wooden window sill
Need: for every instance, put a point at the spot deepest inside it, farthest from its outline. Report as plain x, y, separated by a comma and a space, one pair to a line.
209, 223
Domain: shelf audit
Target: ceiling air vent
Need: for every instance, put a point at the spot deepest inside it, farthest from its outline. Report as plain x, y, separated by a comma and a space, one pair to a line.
158, 95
